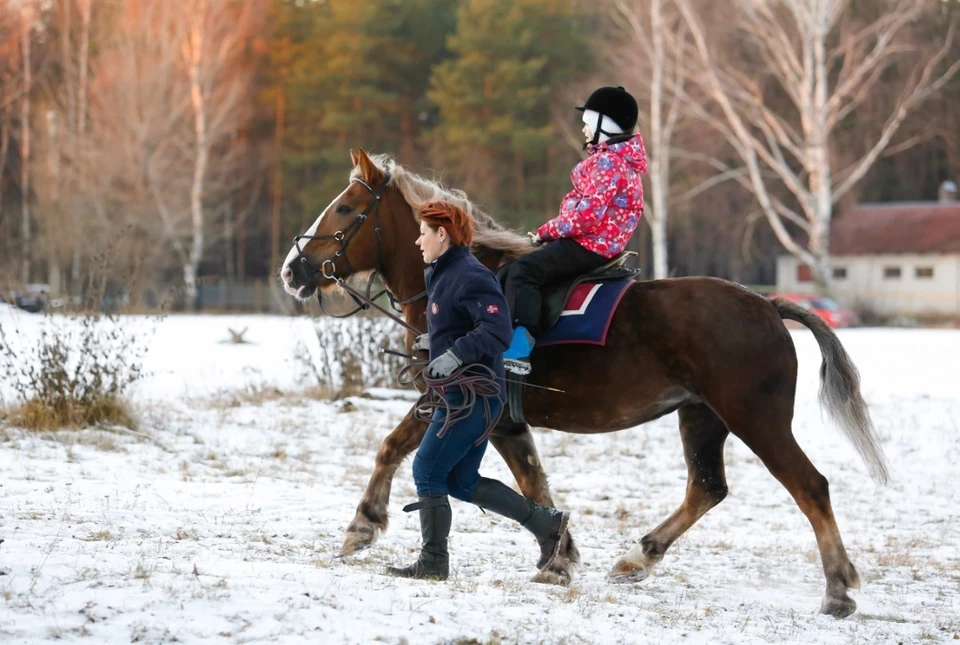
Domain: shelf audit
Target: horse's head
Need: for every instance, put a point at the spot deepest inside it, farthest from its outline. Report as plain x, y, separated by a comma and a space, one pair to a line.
340, 243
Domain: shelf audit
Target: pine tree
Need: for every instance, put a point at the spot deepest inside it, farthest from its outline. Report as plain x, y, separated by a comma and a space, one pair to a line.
511, 58
353, 74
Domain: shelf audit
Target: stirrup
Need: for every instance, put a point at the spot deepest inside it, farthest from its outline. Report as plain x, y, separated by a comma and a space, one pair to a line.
517, 365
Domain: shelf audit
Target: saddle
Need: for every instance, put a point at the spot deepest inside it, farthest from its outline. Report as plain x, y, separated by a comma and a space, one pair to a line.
555, 296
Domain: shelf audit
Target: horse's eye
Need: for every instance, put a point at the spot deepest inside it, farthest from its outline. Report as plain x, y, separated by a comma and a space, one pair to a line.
343, 209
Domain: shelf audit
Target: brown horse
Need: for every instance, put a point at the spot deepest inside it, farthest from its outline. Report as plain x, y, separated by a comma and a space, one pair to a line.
713, 351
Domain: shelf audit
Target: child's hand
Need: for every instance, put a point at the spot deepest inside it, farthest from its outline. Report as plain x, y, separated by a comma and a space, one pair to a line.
534, 239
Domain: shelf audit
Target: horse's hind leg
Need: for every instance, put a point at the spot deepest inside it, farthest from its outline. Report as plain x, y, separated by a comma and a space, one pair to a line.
780, 453
703, 434
515, 444
371, 517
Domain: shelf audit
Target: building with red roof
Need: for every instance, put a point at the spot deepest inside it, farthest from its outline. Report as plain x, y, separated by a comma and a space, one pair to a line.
898, 258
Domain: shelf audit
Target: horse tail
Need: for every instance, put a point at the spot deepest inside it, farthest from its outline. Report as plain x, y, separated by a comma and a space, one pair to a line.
840, 389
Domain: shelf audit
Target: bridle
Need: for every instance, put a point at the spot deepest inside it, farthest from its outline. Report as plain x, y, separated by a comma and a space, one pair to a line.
471, 384
328, 268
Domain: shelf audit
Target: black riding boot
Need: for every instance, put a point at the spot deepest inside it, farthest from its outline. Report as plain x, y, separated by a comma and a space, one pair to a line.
434, 560
548, 525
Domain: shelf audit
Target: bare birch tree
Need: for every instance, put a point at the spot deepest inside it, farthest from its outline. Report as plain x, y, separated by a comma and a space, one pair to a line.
194, 57
643, 51
822, 61
79, 121
644, 24
135, 137
168, 92
9, 87
27, 15
212, 51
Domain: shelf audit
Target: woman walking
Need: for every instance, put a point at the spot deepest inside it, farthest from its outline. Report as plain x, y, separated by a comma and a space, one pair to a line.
468, 328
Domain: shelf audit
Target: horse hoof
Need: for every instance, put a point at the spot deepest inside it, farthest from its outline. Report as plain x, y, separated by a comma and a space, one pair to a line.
555, 574
838, 607
627, 572
558, 572
356, 541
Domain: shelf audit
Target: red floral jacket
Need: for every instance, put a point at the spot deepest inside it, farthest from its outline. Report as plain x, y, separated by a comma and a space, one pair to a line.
605, 205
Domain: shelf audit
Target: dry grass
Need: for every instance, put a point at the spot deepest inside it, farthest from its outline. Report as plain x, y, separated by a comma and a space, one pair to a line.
143, 571
721, 545
335, 361
897, 559
258, 396
570, 594
40, 415
495, 639
185, 534
76, 372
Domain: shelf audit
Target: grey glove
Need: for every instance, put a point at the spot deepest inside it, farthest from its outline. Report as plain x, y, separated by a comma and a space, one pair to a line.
444, 365
422, 343
535, 239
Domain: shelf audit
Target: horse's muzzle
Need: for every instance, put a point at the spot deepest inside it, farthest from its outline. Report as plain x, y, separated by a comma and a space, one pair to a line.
299, 279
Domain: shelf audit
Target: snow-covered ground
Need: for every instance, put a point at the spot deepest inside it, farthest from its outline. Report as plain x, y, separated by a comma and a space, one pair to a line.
221, 520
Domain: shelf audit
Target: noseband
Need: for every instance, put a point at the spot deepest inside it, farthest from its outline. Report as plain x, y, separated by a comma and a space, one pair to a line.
328, 268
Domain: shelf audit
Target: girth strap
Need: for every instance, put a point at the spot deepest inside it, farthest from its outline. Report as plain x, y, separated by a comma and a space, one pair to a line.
515, 397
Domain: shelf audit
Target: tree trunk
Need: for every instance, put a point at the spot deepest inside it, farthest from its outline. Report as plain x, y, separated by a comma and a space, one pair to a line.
25, 150
816, 129
86, 6
658, 231
54, 276
54, 243
659, 165
277, 189
198, 102
76, 282
228, 241
5, 125
819, 247
69, 71
241, 244
190, 288
658, 218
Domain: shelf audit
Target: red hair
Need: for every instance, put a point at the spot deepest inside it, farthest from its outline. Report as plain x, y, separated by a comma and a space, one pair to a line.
459, 225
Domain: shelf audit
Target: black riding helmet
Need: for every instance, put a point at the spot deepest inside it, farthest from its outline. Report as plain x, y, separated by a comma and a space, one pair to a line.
616, 104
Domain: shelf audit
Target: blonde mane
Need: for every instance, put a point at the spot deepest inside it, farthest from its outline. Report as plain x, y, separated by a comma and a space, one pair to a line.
417, 191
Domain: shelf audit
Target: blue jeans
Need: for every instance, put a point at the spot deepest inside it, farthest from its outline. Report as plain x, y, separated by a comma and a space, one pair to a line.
450, 465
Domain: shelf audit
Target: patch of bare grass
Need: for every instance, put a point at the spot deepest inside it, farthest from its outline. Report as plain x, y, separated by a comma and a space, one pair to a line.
77, 372
47, 414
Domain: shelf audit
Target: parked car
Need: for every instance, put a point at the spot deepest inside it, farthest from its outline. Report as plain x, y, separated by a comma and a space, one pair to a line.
826, 308
32, 298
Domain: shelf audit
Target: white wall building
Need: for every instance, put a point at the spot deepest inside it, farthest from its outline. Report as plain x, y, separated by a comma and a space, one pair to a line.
893, 259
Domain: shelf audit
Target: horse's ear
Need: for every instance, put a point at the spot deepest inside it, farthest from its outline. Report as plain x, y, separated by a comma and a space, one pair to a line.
354, 158
368, 170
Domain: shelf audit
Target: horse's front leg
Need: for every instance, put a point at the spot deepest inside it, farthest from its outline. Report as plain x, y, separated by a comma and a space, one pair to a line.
371, 518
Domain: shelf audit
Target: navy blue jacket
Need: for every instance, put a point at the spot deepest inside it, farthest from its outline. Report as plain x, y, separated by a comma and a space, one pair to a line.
467, 311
